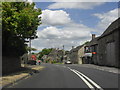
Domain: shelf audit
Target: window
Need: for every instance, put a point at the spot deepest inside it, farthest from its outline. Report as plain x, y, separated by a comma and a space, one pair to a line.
94, 49
87, 49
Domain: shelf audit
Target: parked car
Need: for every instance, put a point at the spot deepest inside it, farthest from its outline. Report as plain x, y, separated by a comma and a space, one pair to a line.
32, 62
68, 62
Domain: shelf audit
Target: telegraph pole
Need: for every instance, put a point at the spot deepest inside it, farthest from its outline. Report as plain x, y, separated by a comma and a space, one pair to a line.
63, 47
30, 46
63, 53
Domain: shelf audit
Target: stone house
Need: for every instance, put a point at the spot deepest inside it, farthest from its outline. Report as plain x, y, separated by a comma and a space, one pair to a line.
60, 55
76, 54
92, 47
56, 55
109, 45
105, 48
53, 54
81, 54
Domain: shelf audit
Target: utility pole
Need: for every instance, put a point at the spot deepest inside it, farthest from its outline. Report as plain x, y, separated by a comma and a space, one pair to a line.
72, 47
63, 53
63, 47
30, 45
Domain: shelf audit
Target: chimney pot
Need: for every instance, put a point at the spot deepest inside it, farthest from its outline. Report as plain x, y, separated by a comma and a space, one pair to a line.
72, 47
93, 36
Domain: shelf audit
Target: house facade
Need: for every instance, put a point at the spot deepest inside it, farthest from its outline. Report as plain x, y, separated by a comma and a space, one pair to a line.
92, 48
56, 55
105, 48
76, 54
109, 45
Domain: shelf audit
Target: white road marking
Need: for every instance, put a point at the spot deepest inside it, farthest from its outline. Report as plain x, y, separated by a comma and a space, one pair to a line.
88, 84
68, 68
85, 78
96, 85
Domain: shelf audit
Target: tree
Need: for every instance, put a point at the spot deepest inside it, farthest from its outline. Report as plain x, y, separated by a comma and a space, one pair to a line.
31, 49
44, 52
19, 22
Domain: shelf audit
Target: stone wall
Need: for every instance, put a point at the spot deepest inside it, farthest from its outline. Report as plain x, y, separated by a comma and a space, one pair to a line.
74, 57
104, 49
80, 55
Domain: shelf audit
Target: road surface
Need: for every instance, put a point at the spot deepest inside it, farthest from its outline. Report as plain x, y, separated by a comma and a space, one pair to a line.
70, 76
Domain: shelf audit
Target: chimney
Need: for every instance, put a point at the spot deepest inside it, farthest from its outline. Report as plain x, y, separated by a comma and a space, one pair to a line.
93, 36
72, 47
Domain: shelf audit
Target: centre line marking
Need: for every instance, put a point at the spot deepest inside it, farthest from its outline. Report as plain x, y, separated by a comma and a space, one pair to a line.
88, 84
86, 79
96, 85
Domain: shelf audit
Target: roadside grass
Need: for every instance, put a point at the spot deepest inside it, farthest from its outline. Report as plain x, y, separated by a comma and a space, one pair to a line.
23, 71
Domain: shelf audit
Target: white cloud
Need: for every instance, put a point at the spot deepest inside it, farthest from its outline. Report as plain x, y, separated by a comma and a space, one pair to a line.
78, 5
57, 17
68, 36
64, 33
106, 19
30, 1
74, 0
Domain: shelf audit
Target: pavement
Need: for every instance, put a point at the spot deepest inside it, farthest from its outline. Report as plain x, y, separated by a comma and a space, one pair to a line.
72, 76
103, 68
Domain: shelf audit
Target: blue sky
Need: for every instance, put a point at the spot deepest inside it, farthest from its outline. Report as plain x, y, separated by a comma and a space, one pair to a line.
84, 16
71, 24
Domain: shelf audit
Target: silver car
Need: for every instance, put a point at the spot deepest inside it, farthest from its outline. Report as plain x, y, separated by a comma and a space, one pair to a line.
68, 62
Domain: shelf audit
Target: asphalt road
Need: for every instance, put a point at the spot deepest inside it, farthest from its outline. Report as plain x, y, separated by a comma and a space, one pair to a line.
70, 76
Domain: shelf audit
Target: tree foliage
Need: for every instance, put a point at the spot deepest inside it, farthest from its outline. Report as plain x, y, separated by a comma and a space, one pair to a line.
19, 22
31, 49
44, 52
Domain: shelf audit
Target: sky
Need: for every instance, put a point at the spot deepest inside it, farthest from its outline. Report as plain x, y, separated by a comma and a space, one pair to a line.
72, 23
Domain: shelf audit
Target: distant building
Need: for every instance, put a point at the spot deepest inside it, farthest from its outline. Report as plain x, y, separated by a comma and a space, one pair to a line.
24, 58
66, 56
55, 55
45, 58
76, 54
60, 55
